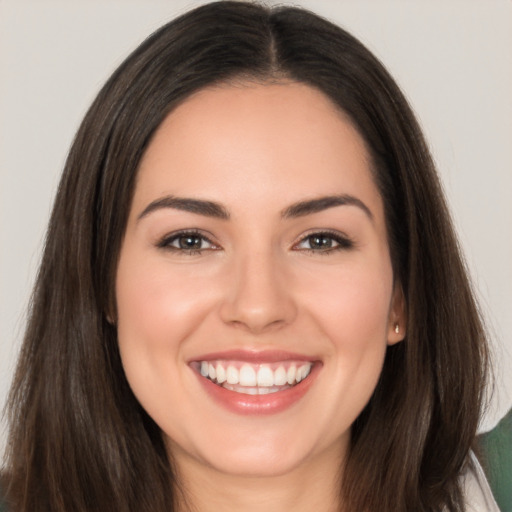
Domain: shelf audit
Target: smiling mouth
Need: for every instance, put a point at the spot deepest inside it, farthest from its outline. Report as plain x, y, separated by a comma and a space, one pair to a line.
254, 379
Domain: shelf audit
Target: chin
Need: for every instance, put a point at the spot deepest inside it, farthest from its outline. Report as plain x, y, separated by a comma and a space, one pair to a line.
257, 462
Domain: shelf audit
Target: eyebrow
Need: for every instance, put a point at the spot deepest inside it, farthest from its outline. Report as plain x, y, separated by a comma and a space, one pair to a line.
216, 210
199, 206
311, 206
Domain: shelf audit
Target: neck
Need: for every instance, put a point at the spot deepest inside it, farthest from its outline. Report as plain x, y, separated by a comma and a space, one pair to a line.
312, 486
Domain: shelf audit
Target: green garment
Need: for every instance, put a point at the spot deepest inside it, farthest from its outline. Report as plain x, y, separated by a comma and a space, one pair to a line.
496, 451
3, 506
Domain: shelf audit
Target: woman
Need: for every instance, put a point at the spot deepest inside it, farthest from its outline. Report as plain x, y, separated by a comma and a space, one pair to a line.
251, 294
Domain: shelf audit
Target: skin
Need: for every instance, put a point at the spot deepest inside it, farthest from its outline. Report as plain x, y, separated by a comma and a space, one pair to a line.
258, 284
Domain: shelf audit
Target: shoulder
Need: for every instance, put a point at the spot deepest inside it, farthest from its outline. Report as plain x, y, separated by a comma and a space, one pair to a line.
478, 495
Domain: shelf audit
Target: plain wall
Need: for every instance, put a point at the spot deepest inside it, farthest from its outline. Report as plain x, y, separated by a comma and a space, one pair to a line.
452, 58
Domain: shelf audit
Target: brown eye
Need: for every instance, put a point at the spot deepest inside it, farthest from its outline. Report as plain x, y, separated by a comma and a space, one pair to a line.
324, 242
320, 242
190, 242
186, 242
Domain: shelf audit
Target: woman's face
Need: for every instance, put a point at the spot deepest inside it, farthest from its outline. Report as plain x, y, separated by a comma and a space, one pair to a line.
255, 293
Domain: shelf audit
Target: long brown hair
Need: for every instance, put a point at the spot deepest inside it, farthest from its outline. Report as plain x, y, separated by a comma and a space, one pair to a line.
80, 441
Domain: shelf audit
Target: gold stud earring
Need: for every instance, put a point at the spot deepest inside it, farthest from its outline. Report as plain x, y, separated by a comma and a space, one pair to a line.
397, 328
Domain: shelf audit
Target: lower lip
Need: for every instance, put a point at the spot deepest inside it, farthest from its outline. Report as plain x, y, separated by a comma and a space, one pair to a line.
271, 403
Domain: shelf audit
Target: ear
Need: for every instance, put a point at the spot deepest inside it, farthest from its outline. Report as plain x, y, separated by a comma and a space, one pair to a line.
111, 313
397, 320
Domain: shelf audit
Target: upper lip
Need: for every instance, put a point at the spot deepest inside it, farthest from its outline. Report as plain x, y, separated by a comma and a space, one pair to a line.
254, 356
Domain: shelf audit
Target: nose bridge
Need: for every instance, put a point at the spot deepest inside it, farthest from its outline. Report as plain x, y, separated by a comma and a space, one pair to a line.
258, 297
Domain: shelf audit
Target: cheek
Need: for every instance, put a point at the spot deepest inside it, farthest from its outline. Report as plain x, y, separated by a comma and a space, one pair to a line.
352, 304
158, 307
157, 310
351, 307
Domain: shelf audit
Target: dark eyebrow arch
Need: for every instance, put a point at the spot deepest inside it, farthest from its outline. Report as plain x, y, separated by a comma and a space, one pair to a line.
199, 206
311, 206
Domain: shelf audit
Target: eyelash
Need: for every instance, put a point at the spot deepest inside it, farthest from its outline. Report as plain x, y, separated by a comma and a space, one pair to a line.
166, 241
343, 242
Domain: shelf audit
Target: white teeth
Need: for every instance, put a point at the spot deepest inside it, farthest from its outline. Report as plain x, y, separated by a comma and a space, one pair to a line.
221, 373
255, 378
265, 376
254, 390
232, 375
302, 372
247, 376
291, 374
280, 377
305, 369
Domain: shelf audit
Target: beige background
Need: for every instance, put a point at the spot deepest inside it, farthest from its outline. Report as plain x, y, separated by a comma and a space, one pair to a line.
452, 58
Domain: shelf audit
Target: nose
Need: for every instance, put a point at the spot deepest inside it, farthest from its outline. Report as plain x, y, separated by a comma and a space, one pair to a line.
259, 296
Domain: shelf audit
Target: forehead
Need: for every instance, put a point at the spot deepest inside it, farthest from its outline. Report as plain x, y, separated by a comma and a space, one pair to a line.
268, 143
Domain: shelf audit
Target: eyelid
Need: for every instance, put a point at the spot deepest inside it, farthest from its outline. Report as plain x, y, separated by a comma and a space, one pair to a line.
165, 241
344, 242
